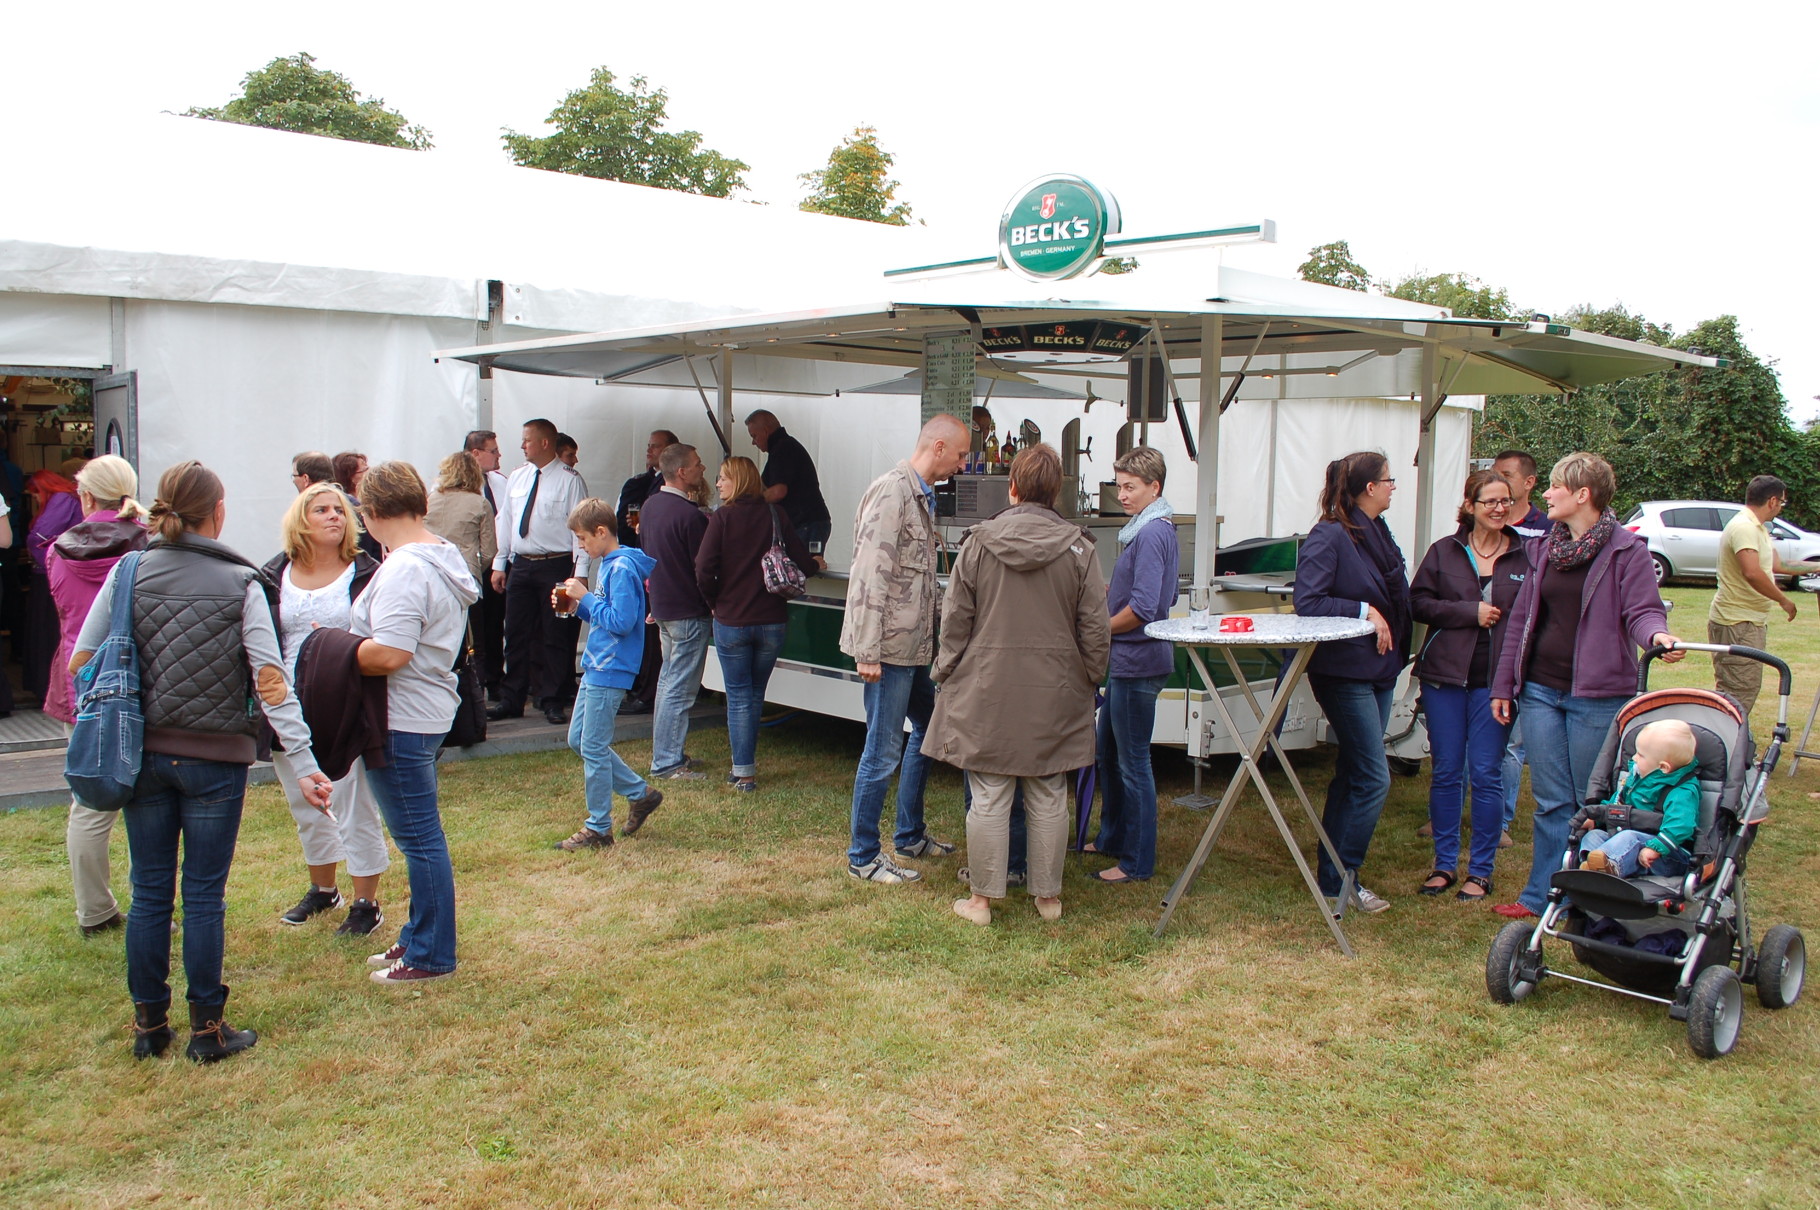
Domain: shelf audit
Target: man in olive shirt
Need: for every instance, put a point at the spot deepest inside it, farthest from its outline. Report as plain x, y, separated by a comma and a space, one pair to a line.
1747, 568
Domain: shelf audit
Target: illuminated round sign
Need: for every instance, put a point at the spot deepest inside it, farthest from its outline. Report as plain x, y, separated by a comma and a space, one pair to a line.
1056, 227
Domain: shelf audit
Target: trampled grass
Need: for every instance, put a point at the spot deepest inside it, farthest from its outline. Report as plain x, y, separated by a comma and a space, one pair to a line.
714, 1014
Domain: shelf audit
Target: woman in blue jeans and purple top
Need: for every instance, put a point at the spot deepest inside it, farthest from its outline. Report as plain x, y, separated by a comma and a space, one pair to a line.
1350, 567
1463, 591
1143, 590
206, 648
748, 619
1570, 661
413, 618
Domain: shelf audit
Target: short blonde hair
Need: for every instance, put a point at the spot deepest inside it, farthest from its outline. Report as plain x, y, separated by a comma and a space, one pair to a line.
1583, 470
744, 474
113, 482
394, 489
1676, 739
1144, 462
294, 530
460, 472
592, 514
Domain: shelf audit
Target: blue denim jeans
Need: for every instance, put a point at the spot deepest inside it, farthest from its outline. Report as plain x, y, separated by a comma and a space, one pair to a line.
685, 648
196, 804
1357, 713
1622, 849
1018, 858
1515, 757
604, 773
1467, 744
902, 692
1127, 780
406, 790
1563, 735
747, 655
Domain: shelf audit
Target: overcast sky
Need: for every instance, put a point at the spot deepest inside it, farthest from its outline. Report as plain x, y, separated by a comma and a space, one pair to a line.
1659, 156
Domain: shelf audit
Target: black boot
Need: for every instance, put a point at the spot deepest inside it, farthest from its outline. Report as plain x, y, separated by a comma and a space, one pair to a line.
211, 1037
151, 1029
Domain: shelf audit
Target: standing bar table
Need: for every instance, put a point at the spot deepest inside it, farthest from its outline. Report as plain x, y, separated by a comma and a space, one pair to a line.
1279, 631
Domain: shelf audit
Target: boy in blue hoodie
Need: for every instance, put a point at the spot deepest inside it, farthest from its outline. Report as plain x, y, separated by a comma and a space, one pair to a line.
615, 613
1663, 778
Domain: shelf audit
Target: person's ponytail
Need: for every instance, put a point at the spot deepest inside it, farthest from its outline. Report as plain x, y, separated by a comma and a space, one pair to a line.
187, 496
1346, 481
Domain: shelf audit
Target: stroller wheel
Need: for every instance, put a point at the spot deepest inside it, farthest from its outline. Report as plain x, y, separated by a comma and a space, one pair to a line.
1511, 968
1715, 1012
1781, 966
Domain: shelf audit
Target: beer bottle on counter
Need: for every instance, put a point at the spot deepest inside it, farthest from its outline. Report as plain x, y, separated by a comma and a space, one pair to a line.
991, 450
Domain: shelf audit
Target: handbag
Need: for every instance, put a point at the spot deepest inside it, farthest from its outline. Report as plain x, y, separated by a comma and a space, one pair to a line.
783, 578
101, 764
469, 726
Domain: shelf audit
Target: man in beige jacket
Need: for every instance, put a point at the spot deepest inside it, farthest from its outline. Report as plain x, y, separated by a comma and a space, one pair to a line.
889, 630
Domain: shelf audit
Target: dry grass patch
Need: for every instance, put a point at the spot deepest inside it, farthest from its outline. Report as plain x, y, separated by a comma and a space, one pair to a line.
712, 1013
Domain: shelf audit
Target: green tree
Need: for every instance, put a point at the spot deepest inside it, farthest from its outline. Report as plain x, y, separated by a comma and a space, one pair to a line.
617, 135
294, 94
1116, 265
1466, 296
855, 183
1332, 265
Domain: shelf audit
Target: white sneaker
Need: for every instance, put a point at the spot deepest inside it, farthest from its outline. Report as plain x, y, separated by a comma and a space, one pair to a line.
883, 869
1366, 901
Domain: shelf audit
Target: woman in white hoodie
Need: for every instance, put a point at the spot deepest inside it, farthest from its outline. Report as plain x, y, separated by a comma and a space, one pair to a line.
412, 618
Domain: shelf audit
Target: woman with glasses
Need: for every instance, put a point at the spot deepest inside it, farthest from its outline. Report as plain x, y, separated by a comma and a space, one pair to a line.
1588, 602
1350, 567
1463, 593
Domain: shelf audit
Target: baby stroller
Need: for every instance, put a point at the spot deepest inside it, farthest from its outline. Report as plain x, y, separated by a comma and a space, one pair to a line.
1671, 941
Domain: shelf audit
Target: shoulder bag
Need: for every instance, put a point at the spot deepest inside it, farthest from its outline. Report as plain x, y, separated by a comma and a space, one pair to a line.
101, 764
783, 578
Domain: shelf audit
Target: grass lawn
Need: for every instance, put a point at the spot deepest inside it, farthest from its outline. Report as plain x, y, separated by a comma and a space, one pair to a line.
714, 1014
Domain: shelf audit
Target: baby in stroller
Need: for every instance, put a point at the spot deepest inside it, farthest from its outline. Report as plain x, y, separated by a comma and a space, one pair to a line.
1663, 780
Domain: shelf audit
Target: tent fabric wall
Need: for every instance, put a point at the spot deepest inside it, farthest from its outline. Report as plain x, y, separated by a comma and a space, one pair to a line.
242, 389
54, 330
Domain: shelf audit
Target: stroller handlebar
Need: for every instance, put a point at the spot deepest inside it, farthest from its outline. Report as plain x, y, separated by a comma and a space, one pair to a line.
1786, 678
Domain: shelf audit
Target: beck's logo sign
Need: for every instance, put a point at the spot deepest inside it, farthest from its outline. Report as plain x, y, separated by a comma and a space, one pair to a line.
1056, 228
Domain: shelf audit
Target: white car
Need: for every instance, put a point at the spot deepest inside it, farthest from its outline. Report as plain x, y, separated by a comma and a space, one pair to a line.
1683, 537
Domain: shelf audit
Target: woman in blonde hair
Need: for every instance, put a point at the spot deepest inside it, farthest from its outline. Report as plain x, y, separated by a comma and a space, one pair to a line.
320, 573
459, 514
113, 523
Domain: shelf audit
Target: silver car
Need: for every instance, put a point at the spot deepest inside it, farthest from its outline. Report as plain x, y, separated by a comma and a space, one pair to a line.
1683, 536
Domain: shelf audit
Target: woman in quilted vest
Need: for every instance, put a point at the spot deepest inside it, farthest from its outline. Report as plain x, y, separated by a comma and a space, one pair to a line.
208, 652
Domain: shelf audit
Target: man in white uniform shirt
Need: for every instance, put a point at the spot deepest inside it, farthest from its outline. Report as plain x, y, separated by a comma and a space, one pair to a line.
537, 552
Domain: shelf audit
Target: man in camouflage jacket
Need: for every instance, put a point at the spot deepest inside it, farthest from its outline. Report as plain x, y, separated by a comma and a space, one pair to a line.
893, 600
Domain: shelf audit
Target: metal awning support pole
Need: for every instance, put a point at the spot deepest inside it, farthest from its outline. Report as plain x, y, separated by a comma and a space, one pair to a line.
1207, 478
1425, 454
726, 397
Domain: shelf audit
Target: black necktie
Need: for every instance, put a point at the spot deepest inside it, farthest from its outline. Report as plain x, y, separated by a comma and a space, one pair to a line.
486, 488
524, 518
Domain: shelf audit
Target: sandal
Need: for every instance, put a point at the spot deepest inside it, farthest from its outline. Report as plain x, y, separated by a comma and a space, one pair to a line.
1484, 885
1449, 877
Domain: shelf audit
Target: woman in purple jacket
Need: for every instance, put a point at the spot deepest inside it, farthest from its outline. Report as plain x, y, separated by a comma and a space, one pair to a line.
1350, 567
1571, 659
1463, 592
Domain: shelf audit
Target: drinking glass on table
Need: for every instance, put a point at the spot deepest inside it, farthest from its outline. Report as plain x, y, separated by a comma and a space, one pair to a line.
1200, 608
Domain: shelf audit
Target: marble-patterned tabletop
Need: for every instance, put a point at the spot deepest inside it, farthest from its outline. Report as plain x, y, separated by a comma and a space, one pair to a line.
1268, 630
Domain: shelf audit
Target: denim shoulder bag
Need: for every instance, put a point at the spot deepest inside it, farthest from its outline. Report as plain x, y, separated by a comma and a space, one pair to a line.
102, 762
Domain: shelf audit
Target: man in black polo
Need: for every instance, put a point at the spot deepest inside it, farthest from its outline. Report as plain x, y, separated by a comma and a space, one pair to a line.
790, 479
640, 486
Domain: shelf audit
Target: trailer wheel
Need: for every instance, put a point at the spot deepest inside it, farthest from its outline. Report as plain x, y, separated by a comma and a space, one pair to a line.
1504, 977
1781, 966
1715, 1012
1403, 766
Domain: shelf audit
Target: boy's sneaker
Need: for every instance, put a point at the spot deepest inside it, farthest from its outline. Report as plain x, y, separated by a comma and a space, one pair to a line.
314, 903
400, 975
1366, 901
680, 772
585, 838
928, 846
363, 917
883, 869
394, 954
641, 810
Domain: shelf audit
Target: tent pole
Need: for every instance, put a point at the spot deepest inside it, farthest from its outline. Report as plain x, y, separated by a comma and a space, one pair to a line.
1425, 454
1207, 476
726, 397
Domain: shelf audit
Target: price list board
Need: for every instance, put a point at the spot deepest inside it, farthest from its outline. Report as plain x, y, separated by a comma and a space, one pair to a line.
948, 368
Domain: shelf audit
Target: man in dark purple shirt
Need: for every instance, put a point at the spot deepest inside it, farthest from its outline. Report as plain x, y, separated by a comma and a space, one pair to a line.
670, 530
